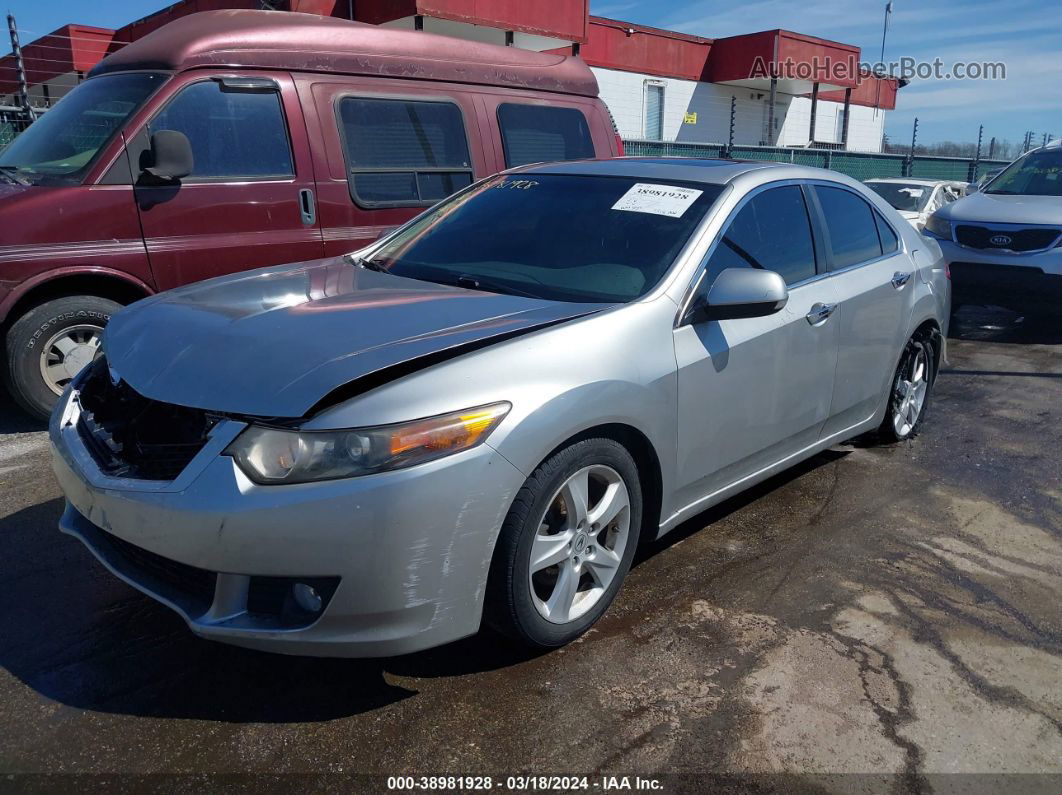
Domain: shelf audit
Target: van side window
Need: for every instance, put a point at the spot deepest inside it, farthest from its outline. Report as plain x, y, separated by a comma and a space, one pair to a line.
851, 227
233, 133
540, 134
403, 152
772, 231
889, 241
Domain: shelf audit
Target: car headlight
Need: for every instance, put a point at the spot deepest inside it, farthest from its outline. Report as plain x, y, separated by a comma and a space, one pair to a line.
938, 227
273, 455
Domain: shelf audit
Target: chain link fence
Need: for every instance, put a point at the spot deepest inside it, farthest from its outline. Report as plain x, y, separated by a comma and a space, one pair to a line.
858, 165
10, 126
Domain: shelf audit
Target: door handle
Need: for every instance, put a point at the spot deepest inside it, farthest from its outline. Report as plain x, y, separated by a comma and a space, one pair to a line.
899, 279
820, 313
306, 207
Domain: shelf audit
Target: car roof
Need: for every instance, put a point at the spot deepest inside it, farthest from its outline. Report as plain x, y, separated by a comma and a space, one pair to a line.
244, 38
684, 169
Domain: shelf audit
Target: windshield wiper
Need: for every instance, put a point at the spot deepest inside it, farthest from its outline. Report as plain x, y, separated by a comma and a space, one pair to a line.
11, 172
470, 282
368, 264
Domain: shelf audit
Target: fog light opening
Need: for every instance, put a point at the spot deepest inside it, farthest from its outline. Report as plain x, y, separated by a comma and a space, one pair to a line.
306, 597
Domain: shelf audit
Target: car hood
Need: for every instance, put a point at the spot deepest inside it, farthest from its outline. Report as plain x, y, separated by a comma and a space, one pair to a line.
987, 208
275, 342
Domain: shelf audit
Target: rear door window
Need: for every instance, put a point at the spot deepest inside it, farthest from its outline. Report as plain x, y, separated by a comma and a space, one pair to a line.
233, 133
541, 134
403, 152
851, 226
771, 231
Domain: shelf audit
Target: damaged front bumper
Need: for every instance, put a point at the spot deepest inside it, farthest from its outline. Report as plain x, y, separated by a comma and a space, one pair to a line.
398, 559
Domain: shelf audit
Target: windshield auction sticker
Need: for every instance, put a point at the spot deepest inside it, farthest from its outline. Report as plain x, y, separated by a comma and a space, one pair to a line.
669, 200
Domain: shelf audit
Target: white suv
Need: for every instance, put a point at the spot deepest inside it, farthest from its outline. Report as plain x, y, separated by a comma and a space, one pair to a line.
1005, 241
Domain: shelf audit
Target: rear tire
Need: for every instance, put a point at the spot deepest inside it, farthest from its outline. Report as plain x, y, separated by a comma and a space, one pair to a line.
48, 346
909, 390
556, 568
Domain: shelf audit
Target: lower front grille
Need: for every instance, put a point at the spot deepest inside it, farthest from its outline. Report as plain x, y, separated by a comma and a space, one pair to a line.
189, 587
133, 436
1021, 240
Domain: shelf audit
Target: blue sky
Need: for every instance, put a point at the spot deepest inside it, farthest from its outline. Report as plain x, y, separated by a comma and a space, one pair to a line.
1024, 34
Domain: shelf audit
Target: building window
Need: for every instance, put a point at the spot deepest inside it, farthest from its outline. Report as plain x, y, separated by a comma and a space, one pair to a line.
541, 134
654, 111
404, 152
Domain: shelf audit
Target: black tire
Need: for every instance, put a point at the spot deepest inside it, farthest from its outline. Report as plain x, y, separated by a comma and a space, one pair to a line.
31, 332
509, 607
921, 344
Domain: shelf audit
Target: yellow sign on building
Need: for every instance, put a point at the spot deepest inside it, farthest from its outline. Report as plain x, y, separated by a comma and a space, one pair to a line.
690, 118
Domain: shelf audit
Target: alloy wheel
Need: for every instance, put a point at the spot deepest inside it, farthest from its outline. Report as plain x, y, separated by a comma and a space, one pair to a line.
910, 390
579, 545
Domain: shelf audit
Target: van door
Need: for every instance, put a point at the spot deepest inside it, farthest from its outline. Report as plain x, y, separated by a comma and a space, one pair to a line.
872, 278
250, 200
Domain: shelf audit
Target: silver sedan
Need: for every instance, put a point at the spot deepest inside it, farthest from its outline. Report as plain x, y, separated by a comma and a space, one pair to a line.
480, 417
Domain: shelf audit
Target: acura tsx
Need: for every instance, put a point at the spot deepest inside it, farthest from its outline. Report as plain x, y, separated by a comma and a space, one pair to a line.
479, 417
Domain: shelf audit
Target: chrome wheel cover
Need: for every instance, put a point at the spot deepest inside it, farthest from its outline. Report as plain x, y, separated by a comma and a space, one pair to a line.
910, 390
579, 543
65, 354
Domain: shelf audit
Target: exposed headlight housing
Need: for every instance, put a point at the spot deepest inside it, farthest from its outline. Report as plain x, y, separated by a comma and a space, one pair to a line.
276, 456
938, 227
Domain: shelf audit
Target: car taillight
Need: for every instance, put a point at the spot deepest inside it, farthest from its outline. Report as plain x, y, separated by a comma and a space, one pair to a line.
619, 146
947, 271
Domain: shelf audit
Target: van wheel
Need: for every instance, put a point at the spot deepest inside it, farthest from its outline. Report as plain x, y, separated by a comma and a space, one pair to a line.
49, 345
566, 545
909, 393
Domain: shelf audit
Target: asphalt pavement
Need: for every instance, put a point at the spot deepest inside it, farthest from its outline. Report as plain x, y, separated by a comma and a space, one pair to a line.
874, 619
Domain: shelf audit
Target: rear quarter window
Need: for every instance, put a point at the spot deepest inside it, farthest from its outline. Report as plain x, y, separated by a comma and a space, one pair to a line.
541, 134
403, 152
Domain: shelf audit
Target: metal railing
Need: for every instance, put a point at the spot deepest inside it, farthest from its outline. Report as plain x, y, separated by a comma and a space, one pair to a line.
858, 165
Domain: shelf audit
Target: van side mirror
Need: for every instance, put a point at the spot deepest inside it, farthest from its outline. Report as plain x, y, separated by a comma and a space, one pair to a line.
170, 156
739, 293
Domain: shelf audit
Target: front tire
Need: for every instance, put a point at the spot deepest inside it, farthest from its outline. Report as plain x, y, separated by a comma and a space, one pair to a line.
49, 345
909, 393
566, 545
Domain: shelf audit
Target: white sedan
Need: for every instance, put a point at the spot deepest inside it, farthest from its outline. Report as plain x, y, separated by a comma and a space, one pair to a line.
917, 199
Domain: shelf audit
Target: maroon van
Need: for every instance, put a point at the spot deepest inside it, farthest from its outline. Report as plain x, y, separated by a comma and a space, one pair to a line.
230, 140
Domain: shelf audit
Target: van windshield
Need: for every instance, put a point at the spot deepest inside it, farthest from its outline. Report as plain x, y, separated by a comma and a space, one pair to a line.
576, 238
63, 142
1036, 174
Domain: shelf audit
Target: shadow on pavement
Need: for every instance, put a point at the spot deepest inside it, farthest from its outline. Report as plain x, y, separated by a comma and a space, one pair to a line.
76, 635
987, 323
14, 420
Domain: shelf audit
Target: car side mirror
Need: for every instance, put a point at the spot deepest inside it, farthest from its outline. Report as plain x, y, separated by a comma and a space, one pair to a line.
972, 187
170, 155
740, 293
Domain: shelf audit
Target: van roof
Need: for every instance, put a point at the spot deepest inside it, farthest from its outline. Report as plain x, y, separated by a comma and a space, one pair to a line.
312, 43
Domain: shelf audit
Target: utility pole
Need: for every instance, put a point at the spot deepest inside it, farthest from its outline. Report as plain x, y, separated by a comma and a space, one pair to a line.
992, 148
1045, 140
20, 69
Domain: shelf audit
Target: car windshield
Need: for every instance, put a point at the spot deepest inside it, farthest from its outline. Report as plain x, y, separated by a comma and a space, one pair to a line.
1036, 174
908, 196
64, 141
557, 237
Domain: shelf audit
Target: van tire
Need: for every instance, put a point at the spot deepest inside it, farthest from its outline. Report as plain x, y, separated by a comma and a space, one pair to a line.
80, 314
